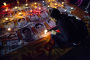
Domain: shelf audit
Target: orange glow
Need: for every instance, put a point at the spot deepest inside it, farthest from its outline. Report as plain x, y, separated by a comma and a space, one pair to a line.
62, 5
55, 7
20, 13
6, 9
30, 10
55, 3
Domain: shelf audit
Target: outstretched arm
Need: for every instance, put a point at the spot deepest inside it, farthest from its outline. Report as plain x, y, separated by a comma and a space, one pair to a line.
55, 28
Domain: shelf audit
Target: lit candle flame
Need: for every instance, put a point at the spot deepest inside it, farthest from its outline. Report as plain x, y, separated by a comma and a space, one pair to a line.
76, 17
4, 3
55, 7
6, 18
55, 3
71, 7
30, 10
35, 3
48, 6
20, 13
26, 4
39, 8
9, 29
15, 7
62, 3
6, 9
45, 31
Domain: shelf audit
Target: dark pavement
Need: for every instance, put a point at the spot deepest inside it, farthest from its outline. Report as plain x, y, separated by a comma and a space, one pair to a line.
81, 52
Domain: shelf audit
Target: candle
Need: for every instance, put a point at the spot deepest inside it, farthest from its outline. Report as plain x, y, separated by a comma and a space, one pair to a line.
39, 8
26, 4
30, 10
6, 9
43, 1
6, 18
20, 13
62, 3
48, 6
35, 3
55, 4
15, 7
45, 31
76, 17
4, 4
71, 8
9, 29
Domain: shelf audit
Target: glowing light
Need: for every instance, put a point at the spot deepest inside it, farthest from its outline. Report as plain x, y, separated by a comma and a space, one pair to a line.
6, 9
35, 6
65, 10
55, 7
17, 2
6, 18
71, 8
39, 8
35, 3
15, 7
9, 29
43, 1
26, 4
48, 6
76, 17
45, 31
62, 3
30, 10
4, 3
26, 0
55, 3
20, 13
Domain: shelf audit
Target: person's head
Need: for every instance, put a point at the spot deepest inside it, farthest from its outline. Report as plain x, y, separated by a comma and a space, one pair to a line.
54, 13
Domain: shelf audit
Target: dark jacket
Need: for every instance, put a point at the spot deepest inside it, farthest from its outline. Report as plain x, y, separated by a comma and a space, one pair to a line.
68, 30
